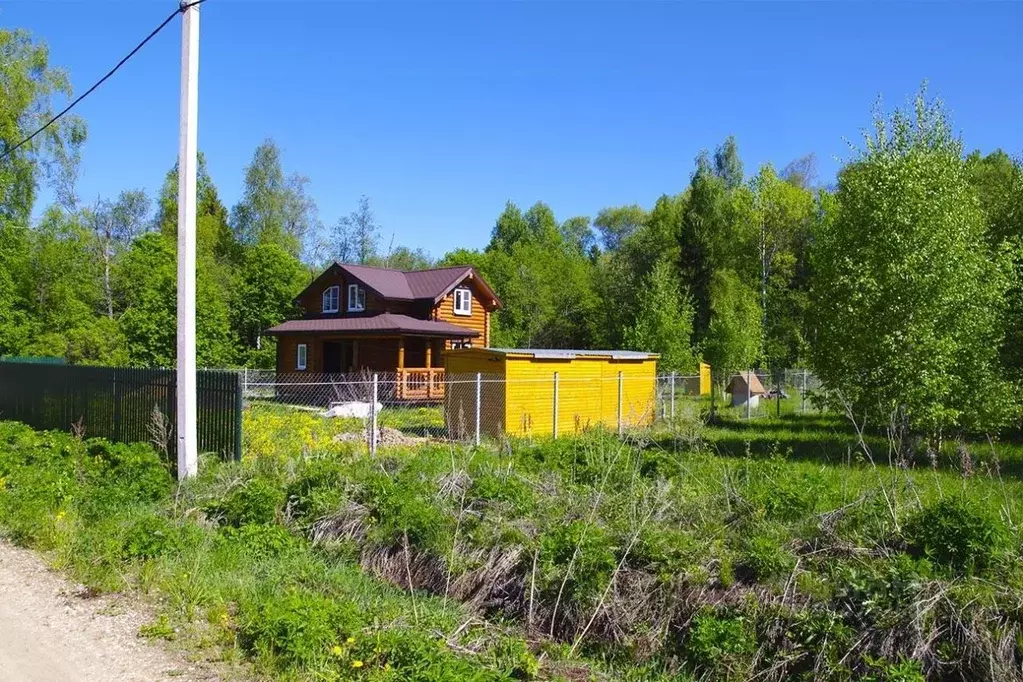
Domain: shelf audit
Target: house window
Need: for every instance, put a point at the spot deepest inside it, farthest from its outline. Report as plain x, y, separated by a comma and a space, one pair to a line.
302, 355
356, 298
330, 299
461, 343
463, 302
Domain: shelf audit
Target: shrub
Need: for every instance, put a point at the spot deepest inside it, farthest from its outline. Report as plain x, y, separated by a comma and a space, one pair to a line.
263, 541
721, 644
591, 564
764, 558
297, 628
148, 537
958, 534
256, 501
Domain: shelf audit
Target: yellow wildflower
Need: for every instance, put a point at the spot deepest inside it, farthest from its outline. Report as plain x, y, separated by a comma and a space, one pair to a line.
60, 515
337, 651
350, 640
356, 664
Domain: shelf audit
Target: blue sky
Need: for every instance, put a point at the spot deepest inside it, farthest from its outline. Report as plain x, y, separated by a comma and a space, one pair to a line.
442, 112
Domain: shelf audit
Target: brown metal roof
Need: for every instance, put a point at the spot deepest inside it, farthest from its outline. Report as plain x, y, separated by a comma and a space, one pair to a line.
435, 283
385, 323
412, 285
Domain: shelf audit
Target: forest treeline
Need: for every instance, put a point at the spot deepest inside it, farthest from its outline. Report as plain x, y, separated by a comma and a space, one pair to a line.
901, 283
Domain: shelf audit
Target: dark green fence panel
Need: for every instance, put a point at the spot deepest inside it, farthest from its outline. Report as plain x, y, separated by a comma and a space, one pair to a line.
122, 404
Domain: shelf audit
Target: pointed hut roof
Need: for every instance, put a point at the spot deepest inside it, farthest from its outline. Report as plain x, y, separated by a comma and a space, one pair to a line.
739, 382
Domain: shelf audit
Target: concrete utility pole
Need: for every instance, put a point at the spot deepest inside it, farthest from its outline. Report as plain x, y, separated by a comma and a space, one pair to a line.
188, 446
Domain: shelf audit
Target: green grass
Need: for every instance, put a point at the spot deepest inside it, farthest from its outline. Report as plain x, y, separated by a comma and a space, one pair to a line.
775, 547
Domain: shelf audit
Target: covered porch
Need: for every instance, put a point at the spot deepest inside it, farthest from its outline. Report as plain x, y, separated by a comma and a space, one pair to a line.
405, 353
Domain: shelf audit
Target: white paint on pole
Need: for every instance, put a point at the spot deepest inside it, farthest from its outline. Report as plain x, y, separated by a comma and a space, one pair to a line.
188, 446
479, 407
555, 404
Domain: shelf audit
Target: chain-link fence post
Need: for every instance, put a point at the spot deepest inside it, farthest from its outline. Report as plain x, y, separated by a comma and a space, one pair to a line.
803, 396
373, 420
673, 397
778, 384
749, 391
555, 429
621, 425
479, 403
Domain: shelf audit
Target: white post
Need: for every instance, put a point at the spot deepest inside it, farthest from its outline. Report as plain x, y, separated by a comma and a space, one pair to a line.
479, 396
621, 426
188, 447
373, 420
555, 404
672, 396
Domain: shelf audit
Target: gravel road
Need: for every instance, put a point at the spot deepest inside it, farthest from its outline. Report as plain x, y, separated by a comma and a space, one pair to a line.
52, 630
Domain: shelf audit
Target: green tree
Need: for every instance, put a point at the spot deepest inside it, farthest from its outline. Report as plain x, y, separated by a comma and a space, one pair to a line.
275, 208
733, 340
264, 293
664, 321
29, 85
617, 223
907, 298
357, 236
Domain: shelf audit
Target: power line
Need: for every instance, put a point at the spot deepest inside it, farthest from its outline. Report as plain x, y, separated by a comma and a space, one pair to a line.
181, 8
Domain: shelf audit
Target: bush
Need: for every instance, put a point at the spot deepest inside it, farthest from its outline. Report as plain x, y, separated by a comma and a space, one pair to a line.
957, 533
764, 558
296, 629
256, 501
148, 537
721, 644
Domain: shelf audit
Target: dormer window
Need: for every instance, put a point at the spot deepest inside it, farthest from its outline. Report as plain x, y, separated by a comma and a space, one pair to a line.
463, 301
331, 299
356, 298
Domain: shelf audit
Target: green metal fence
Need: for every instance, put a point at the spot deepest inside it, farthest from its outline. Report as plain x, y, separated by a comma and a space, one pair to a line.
126, 405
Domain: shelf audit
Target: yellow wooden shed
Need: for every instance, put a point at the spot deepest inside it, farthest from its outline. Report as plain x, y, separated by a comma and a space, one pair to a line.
540, 392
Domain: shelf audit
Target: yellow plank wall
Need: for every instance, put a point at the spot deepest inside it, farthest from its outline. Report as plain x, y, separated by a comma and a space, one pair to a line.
461, 368
587, 394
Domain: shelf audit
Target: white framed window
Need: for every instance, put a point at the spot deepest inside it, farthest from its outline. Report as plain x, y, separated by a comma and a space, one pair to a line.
301, 356
330, 299
463, 302
461, 343
356, 298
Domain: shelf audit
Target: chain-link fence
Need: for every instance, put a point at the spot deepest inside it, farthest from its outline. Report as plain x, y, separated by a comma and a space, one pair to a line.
413, 406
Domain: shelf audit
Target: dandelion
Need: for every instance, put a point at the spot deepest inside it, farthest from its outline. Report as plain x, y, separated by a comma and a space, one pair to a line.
350, 640
356, 664
60, 515
337, 650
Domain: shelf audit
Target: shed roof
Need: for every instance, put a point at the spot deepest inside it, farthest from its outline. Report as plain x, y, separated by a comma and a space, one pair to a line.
385, 323
738, 383
569, 354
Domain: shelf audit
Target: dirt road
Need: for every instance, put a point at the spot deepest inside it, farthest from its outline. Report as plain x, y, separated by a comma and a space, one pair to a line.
51, 631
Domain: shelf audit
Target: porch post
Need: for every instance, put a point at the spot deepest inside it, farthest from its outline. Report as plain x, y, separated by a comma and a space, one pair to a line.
429, 374
401, 367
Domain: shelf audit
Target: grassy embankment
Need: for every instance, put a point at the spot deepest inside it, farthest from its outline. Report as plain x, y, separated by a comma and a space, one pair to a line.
779, 548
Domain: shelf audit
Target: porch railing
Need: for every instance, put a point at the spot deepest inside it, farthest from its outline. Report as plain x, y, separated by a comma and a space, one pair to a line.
420, 384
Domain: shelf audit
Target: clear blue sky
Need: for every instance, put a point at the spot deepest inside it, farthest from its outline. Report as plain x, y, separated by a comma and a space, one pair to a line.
442, 112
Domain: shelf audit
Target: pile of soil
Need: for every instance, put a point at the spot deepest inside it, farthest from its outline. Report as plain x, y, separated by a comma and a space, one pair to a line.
386, 436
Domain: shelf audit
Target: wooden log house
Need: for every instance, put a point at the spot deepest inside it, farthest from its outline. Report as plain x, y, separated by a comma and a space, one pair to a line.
359, 318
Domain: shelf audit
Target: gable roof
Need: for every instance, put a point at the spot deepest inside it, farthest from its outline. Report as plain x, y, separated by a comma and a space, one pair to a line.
411, 285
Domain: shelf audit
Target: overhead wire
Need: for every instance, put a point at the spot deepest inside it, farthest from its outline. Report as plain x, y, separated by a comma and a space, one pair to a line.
181, 8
